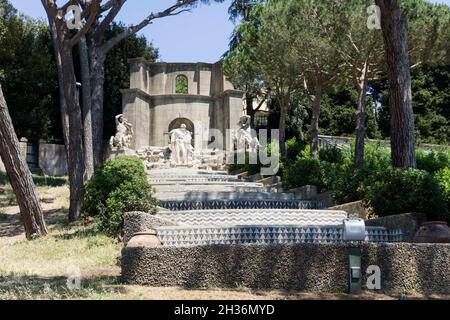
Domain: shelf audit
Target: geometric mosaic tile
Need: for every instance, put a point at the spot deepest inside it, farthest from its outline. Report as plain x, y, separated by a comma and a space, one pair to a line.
195, 236
178, 205
239, 217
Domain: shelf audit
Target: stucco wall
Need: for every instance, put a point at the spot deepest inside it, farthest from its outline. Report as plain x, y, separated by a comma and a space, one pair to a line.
52, 159
136, 110
166, 109
307, 267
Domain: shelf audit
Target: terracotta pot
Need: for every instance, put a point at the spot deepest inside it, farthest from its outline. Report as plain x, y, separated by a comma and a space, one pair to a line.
433, 232
144, 239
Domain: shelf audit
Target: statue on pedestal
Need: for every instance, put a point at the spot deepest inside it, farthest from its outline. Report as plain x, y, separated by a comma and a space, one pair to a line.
124, 134
181, 145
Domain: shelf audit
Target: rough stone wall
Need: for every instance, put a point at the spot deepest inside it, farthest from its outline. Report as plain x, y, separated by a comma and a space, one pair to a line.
138, 221
354, 209
408, 222
405, 268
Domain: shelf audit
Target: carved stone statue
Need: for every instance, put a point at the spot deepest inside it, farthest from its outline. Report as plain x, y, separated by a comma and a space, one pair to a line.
243, 136
181, 145
124, 133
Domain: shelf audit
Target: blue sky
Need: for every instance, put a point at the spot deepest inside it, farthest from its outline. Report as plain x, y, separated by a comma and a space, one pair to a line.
199, 36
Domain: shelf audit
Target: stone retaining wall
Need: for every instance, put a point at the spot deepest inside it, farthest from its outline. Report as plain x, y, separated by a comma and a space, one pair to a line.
409, 223
405, 268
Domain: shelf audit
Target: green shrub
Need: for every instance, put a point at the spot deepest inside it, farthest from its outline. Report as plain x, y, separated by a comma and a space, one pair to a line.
443, 179
332, 155
346, 182
398, 191
377, 157
304, 171
293, 149
434, 161
118, 186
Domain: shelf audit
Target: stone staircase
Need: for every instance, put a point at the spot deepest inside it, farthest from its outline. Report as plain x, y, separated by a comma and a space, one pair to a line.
214, 207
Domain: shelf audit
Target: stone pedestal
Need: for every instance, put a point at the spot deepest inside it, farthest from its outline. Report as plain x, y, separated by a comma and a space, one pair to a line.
116, 153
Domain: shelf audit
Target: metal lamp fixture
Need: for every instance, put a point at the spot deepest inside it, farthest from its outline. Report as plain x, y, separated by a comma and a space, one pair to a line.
354, 230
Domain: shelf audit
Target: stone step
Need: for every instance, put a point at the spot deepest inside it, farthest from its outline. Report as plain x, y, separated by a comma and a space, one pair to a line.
242, 217
209, 183
166, 190
229, 235
181, 205
192, 179
253, 196
186, 171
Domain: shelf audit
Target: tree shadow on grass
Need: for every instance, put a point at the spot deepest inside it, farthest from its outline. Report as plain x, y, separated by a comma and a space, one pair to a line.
56, 287
11, 224
40, 181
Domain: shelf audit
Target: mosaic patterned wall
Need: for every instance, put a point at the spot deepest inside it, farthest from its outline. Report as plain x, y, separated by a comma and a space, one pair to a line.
194, 236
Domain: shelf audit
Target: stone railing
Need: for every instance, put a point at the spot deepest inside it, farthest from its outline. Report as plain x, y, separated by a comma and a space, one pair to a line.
328, 142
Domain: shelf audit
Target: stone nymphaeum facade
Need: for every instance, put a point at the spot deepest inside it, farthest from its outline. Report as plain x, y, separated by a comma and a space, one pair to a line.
154, 108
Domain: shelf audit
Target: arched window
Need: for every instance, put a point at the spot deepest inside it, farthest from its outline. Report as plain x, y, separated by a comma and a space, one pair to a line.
181, 84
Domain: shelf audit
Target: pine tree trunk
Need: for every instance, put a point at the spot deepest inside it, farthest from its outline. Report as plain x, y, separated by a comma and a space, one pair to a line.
395, 35
314, 130
97, 61
250, 111
76, 157
62, 99
87, 109
282, 128
361, 117
20, 176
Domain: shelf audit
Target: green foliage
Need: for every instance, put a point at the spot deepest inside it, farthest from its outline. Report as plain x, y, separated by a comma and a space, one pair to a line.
304, 171
28, 75
434, 161
398, 191
118, 186
431, 98
293, 148
443, 178
346, 182
338, 116
331, 155
181, 84
117, 74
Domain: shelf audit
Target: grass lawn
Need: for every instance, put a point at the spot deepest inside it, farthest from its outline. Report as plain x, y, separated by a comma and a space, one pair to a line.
39, 269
